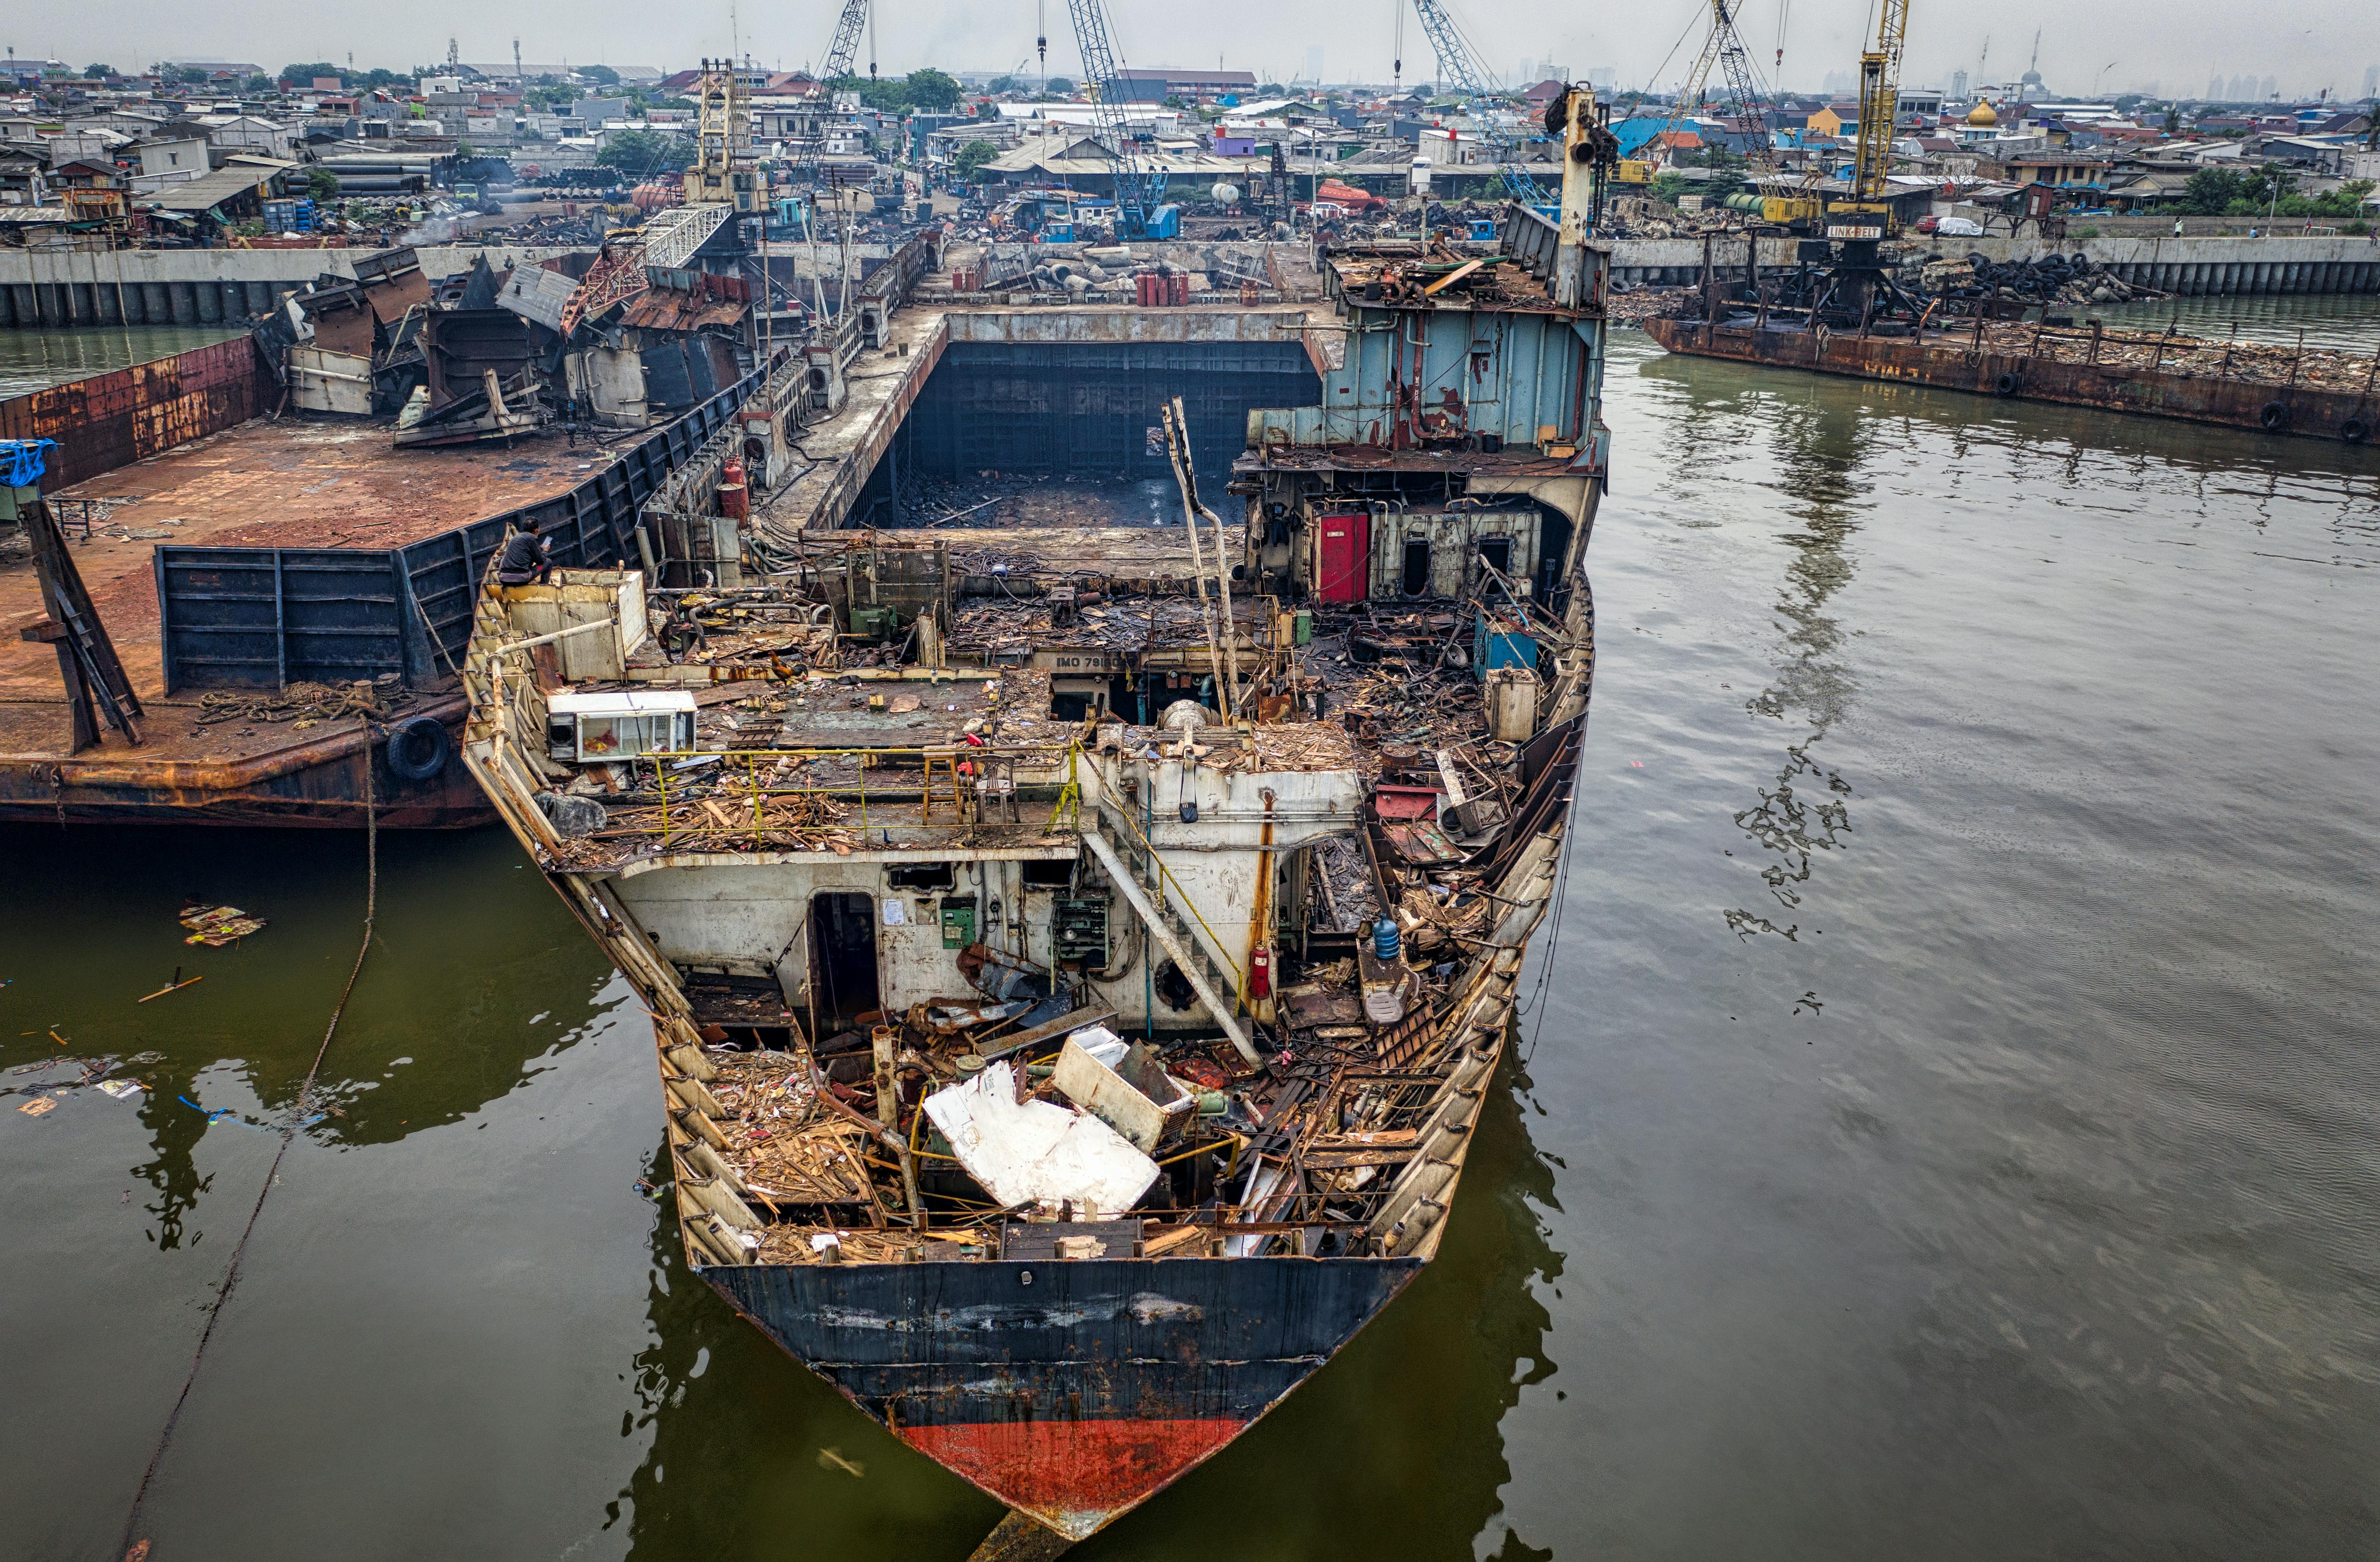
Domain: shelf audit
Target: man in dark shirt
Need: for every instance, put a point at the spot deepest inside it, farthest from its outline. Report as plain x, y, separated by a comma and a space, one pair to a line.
526, 561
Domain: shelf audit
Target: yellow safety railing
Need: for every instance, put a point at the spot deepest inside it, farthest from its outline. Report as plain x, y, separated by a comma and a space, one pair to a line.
1216, 939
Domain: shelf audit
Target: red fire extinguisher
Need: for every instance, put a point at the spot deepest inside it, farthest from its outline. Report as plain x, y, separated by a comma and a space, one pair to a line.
1260, 973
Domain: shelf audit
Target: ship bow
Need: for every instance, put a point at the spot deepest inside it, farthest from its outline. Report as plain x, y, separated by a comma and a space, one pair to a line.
1075, 1391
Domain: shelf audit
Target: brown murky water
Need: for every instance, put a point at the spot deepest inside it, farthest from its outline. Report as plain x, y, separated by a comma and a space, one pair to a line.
1946, 1131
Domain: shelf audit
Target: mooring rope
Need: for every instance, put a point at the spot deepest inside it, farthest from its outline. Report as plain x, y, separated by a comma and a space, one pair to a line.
272, 1174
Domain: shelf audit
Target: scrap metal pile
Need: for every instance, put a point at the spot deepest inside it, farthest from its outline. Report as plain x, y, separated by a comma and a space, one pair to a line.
1440, 272
1014, 1122
2261, 363
2061, 279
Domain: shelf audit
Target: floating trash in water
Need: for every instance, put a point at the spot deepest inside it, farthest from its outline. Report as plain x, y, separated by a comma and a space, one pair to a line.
39, 1105
122, 1089
831, 1459
217, 926
178, 982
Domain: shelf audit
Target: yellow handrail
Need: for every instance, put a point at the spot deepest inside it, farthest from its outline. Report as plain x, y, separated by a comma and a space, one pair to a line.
1239, 982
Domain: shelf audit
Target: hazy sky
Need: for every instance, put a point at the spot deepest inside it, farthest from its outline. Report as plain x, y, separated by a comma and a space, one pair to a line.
2304, 44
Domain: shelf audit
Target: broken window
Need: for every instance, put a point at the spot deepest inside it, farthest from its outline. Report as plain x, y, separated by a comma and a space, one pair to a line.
1048, 875
1416, 566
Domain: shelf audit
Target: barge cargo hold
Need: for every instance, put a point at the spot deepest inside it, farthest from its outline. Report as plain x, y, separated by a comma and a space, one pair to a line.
1074, 982
2160, 375
300, 506
252, 572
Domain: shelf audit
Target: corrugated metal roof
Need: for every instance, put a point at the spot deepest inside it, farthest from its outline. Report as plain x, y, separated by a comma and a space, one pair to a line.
209, 190
536, 293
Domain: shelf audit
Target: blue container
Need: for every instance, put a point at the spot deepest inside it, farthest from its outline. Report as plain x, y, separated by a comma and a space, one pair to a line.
1384, 939
1497, 641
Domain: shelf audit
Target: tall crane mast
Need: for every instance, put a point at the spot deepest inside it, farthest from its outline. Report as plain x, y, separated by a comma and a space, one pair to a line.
1138, 190
1455, 59
804, 152
1723, 50
1879, 103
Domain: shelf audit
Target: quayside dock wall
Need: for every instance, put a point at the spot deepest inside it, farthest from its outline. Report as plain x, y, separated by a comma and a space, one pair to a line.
48, 289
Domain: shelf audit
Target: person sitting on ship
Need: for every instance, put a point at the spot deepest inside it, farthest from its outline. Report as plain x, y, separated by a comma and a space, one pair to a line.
527, 559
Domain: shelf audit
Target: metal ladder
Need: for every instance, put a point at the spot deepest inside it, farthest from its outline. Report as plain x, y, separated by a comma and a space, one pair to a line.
947, 760
1142, 883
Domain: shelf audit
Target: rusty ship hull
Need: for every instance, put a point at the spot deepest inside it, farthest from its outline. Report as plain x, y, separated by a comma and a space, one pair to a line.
886, 841
309, 784
2068, 376
1072, 1392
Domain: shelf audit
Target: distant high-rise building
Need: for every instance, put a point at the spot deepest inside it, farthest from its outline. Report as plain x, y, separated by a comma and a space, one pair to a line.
2214, 86
1602, 77
2371, 80
2242, 89
1529, 71
1836, 84
2271, 90
1314, 63
1958, 84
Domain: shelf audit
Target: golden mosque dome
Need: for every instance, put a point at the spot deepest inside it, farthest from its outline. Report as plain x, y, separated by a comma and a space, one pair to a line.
1981, 114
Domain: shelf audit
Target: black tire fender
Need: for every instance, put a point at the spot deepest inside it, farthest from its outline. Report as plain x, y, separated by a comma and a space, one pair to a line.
419, 749
2355, 430
2276, 415
2008, 384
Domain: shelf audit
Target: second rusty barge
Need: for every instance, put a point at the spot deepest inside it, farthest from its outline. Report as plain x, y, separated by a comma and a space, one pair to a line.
2313, 394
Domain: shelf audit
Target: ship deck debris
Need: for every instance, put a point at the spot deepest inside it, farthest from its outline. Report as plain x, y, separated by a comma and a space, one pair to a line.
818, 1138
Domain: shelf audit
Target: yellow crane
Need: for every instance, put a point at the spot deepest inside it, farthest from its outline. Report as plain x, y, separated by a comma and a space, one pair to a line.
1866, 215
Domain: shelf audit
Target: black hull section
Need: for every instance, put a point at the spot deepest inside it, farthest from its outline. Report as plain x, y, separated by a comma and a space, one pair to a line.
1069, 1390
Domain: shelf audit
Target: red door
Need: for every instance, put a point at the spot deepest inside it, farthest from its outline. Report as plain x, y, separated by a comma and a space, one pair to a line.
1342, 555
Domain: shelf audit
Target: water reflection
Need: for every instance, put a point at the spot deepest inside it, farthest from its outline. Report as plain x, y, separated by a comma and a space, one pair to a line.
91, 926
174, 1130
736, 1428
1819, 449
33, 360
1394, 1449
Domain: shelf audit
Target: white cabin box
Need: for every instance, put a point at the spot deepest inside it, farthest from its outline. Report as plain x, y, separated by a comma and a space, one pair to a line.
592, 729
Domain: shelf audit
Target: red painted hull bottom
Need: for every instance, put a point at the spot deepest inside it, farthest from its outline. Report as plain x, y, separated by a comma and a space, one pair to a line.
1072, 1391
1071, 1475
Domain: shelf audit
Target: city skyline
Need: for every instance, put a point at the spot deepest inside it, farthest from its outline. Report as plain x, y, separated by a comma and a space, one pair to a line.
2322, 43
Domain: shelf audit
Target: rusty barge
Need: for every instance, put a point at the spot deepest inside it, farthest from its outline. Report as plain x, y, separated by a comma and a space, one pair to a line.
236, 584
2310, 394
1077, 955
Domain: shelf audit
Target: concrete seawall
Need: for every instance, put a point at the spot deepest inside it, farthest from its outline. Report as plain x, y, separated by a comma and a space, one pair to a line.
2193, 266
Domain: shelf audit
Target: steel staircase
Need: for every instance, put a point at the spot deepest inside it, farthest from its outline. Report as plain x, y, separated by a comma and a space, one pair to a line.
1137, 873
